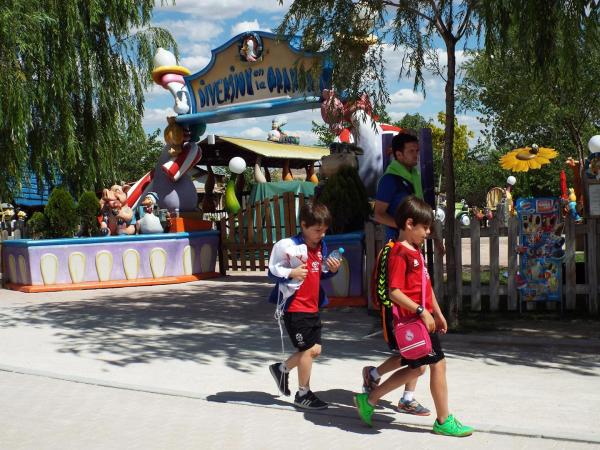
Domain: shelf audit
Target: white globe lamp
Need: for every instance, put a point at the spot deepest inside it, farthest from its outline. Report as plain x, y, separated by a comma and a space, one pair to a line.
440, 214
237, 165
594, 144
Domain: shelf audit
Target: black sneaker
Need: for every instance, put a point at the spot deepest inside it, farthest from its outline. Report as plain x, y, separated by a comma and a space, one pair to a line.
309, 401
281, 378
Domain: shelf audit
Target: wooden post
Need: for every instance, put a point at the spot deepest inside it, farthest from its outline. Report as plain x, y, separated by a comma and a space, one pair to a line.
591, 261
570, 266
277, 216
208, 204
250, 243
475, 265
458, 259
259, 238
369, 260
494, 262
513, 234
223, 264
438, 267
231, 243
241, 244
288, 208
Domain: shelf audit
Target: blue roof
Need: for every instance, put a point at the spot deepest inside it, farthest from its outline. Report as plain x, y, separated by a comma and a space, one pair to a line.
30, 194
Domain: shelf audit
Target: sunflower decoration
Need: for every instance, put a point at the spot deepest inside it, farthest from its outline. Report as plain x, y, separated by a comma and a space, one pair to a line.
525, 158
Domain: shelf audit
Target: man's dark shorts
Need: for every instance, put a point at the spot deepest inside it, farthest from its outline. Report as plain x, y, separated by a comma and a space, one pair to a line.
304, 329
436, 355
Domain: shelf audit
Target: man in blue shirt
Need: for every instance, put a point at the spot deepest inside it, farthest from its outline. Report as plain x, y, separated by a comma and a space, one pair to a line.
400, 180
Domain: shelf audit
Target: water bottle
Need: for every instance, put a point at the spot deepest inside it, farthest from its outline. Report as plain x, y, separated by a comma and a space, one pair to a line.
336, 254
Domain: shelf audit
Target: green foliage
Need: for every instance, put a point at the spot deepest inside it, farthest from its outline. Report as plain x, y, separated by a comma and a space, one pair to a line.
462, 134
88, 209
521, 108
531, 27
325, 136
413, 122
37, 225
347, 200
136, 158
480, 171
61, 213
72, 84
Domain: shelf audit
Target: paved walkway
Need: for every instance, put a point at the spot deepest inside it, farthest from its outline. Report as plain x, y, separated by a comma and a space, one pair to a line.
185, 366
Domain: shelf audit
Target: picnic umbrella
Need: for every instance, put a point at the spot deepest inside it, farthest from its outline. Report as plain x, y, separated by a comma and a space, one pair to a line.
525, 158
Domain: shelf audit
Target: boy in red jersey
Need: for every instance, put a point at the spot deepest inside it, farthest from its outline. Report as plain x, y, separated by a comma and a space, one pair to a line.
296, 265
406, 266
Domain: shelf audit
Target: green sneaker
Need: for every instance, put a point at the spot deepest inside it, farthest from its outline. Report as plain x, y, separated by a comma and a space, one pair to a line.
365, 410
452, 427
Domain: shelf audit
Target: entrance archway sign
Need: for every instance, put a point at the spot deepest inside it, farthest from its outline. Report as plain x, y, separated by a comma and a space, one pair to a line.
255, 74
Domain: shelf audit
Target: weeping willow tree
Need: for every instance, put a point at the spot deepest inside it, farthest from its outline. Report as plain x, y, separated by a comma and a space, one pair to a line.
72, 87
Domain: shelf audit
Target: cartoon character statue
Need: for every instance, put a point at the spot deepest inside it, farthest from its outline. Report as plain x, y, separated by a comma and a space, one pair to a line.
353, 122
510, 182
250, 47
7, 212
169, 179
149, 221
116, 217
573, 206
278, 135
169, 75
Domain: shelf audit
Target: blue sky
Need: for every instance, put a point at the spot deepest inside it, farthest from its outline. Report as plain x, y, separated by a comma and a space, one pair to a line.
201, 25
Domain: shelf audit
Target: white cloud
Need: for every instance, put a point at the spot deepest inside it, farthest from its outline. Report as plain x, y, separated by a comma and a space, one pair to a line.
191, 30
396, 115
156, 118
154, 92
242, 27
223, 9
406, 99
254, 133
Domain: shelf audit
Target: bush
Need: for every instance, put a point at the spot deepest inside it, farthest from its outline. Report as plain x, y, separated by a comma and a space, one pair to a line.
88, 210
347, 200
37, 226
61, 213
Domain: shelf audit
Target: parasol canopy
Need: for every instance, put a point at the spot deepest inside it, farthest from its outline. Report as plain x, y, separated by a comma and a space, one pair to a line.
525, 158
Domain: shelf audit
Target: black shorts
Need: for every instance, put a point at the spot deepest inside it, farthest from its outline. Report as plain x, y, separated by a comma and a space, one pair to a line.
304, 329
436, 355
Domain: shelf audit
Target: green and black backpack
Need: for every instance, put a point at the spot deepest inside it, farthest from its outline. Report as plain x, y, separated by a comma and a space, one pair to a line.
381, 294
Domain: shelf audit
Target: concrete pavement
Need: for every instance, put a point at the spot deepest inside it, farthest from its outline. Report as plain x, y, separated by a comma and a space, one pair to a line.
185, 366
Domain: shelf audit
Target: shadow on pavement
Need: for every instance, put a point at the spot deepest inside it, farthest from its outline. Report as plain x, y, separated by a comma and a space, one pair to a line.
250, 397
231, 319
340, 414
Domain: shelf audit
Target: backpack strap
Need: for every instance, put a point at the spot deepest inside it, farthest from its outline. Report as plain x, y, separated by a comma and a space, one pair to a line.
381, 295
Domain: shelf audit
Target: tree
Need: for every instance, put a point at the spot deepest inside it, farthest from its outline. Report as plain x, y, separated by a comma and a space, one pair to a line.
72, 86
61, 213
462, 134
358, 67
323, 132
520, 107
136, 158
346, 197
414, 27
